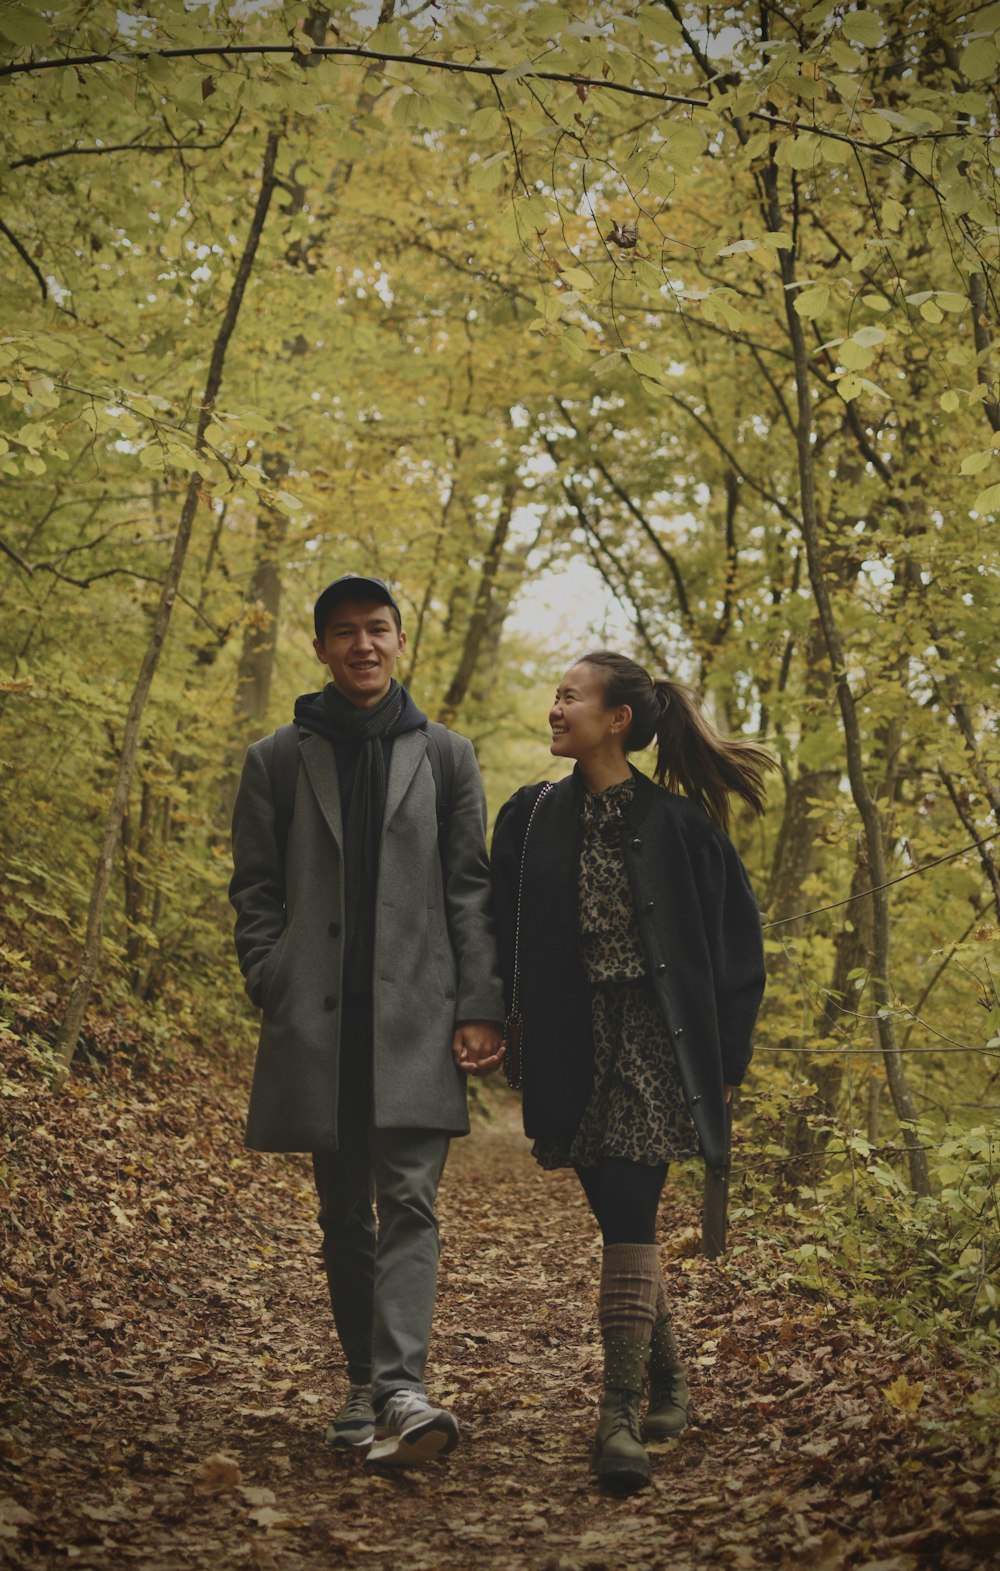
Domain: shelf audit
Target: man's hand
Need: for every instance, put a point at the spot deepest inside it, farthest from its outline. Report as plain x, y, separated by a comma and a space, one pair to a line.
729, 1093
477, 1046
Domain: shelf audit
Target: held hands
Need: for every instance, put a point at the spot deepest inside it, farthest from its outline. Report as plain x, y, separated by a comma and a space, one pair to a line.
477, 1046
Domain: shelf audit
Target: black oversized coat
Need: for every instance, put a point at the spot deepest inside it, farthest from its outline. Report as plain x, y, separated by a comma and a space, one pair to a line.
701, 933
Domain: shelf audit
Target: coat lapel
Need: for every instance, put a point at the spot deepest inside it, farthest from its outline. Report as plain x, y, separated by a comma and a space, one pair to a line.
321, 767
407, 751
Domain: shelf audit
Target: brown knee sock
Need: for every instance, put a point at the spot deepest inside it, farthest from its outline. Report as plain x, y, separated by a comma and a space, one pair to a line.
662, 1311
630, 1277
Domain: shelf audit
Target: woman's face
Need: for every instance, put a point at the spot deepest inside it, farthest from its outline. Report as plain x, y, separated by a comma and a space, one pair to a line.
579, 720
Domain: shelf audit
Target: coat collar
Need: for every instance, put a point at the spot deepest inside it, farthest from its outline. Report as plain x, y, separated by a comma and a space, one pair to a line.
407, 751
320, 764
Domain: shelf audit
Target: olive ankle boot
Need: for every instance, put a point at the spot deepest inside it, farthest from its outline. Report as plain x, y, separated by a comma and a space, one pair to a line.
619, 1459
668, 1410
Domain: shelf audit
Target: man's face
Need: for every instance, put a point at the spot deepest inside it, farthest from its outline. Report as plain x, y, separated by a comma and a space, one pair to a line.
360, 646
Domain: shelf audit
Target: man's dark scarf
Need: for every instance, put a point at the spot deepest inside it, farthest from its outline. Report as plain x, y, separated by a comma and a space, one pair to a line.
363, 828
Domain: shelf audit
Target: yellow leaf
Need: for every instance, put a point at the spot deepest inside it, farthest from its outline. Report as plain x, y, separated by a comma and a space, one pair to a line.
855, 356
643, 363
485, 122
904, 1396
846, 58
812, 302
449, 108
978, 61
988, 501
975, 463
579, 278
893, 213
876, 127
862, 27
22, 28
658, 25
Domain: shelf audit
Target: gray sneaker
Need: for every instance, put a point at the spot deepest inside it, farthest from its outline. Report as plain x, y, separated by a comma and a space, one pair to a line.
354, 1425
409, 1430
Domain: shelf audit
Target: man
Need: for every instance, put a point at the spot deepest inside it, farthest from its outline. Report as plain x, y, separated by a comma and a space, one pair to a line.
364, 932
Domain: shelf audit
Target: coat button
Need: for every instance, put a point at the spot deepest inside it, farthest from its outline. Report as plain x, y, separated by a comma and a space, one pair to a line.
695, 1099
333, 929
678, 1031
661, 968
650, 905
636, 844
329, 1002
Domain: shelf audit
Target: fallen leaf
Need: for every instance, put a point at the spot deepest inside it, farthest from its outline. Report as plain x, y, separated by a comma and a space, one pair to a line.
217, 1474
258, 1497
904, 1396
266, 1516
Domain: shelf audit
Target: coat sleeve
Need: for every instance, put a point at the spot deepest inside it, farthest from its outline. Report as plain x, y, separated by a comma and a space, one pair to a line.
257, 887
732, 921
469, 912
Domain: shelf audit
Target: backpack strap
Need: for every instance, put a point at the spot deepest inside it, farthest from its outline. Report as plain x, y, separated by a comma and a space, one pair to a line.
441, 752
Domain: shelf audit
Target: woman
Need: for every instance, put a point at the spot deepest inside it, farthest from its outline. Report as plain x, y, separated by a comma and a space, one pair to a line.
640, 972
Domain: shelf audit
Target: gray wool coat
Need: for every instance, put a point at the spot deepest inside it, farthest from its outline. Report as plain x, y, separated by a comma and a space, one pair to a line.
435, 954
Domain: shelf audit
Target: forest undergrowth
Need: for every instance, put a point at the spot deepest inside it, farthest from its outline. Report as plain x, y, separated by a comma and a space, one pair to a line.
168, 1366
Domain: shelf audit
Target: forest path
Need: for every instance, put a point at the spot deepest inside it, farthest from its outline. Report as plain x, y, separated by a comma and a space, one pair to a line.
166, 1311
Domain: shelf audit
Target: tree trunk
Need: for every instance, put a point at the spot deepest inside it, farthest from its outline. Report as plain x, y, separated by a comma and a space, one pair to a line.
69, 1031
478, 623
260, 635
864, 801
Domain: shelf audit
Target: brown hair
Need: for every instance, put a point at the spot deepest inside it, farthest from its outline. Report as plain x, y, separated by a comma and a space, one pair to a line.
691, 754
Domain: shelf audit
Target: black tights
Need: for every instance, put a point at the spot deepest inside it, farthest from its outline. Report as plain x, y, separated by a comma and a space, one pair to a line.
624, 1197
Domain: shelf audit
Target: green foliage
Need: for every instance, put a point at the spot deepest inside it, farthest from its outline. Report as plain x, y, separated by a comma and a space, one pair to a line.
498, 326
858, 1226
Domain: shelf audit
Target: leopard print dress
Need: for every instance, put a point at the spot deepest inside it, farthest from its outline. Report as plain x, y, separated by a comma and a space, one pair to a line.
636, 1108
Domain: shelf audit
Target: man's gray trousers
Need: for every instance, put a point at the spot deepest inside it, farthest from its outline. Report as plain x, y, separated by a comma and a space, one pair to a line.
382, 1274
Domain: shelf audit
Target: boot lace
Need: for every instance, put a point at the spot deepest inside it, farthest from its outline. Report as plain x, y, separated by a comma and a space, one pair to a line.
625, 1416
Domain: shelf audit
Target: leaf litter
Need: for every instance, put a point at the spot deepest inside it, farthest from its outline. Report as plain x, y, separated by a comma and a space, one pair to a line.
168, 1368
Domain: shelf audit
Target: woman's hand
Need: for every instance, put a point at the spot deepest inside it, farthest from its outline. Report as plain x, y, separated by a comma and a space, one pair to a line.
477, 1046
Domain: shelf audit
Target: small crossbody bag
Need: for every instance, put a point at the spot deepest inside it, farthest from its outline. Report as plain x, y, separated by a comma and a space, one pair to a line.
513, 1030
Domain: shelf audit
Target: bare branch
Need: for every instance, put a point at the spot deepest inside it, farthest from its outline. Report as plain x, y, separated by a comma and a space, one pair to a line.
22, 253
329, 51
125, 147
50, 567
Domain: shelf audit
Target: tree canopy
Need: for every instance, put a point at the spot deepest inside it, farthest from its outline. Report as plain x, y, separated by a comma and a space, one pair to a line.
706, 296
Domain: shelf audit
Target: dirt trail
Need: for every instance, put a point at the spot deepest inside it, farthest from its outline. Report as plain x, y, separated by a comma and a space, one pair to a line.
164, 1306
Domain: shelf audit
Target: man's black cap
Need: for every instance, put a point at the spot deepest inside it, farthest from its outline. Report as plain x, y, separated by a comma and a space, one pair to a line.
351, 587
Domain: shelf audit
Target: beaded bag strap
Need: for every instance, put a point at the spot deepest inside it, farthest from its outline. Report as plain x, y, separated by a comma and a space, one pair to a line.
546, 788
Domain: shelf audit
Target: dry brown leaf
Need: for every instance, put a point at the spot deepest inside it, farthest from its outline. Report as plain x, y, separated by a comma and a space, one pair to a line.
258, 1497
217, 1475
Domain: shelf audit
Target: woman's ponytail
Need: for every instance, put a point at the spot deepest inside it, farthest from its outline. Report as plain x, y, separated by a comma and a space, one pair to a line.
691, 755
